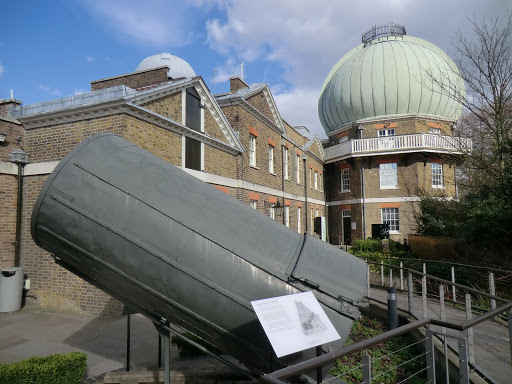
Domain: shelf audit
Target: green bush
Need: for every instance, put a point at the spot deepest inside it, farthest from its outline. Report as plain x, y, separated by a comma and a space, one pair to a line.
368, 245
66, 368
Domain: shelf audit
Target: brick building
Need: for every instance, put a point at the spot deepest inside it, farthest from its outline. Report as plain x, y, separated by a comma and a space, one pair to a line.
237, 142
388, 108
383, 106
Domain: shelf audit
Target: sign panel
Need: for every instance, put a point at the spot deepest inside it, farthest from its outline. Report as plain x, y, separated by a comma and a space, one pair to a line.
294, 322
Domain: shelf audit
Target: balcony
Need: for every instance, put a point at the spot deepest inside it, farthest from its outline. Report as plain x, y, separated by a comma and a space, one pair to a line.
420, 142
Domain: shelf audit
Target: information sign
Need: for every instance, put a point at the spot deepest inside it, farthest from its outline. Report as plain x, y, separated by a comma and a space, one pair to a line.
294, 322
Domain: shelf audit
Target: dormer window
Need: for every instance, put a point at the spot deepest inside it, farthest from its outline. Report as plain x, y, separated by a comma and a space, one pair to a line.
434, 131
386, 132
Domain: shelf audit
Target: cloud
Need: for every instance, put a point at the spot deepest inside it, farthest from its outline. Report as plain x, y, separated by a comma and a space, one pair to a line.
2, 69
159, 23
79, 91
50, 91
89, 59
306, 41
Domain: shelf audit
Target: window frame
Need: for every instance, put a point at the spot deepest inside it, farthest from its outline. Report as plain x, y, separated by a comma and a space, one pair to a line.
437, 176
285, 163
271, 159
392, 217
297, 168
386, 132
345, 177
299, 219
286, 213
386, 174
316, 180
252, 150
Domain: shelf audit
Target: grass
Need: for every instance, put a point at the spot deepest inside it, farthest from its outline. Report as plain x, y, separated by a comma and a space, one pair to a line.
391, 361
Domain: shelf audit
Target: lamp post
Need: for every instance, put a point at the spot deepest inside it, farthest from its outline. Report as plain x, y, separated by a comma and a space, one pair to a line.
19, 157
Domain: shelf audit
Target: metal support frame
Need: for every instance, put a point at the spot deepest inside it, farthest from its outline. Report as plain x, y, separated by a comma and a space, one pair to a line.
409, 292
367, 369
492, 290
454, 289
167, 358
471, 347
128, 342
510, 332
430, 357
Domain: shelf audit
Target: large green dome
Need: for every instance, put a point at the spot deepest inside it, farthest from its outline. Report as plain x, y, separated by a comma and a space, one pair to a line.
390, 76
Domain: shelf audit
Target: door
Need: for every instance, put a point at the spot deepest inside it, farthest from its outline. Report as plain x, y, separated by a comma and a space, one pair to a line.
346, 226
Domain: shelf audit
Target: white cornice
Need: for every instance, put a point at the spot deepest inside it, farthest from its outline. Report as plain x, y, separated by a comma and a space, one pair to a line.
171, 125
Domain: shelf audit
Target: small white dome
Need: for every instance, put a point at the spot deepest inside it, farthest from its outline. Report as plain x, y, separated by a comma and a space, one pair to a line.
177, 67
390, 76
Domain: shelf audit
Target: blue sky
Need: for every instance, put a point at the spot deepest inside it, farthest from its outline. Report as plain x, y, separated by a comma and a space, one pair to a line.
52, 49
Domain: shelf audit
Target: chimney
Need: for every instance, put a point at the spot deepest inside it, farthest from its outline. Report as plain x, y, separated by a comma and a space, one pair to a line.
8, 106
236, 83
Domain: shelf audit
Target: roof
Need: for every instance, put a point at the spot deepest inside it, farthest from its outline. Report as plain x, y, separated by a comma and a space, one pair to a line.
387, 77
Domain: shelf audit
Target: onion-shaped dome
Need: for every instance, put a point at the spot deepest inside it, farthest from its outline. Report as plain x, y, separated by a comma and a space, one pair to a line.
391, 75
177, 66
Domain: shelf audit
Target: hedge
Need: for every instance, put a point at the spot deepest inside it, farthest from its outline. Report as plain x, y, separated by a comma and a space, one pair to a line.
66, 368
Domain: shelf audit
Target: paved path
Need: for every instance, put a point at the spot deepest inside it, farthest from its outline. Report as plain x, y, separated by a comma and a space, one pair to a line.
35, 331
491, 338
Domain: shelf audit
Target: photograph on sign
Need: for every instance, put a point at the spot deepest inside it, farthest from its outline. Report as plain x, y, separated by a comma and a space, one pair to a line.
294, 323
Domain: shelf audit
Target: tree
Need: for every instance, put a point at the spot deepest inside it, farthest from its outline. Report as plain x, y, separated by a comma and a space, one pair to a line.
484, 59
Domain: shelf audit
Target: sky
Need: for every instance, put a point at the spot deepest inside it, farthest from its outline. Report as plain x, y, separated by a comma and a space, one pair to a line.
52, 49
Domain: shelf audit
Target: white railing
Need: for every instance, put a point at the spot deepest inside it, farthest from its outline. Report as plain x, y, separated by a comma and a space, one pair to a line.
420, 141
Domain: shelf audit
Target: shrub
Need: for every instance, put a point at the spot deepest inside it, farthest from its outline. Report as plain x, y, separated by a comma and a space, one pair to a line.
367, 245
66, 368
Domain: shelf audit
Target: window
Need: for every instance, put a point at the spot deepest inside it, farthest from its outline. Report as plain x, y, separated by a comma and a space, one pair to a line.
345, 180
299, 221
193, 110
388, 176
316, 180
271, 159
310, 173
285, 162
390, 217
386, 132
434, 131
343, 139
252, 150
253, 204
287, 215
272, 213
192, 154
437, 175
192, 147
297, 168
312, 222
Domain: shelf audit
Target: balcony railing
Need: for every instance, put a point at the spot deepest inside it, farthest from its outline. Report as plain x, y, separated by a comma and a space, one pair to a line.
396, 144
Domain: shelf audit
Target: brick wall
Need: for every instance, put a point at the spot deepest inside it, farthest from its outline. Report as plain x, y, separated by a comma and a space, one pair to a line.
168, 106
259, 102
8, 201
133, 80
52, 143
161, 142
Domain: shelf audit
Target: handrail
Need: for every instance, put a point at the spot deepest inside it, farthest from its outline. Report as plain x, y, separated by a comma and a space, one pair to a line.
437, 261
315, 362
461, 286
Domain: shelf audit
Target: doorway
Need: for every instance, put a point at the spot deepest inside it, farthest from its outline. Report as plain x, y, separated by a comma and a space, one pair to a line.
346, 226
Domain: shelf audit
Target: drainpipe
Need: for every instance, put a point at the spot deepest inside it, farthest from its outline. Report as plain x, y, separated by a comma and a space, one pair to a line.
364, 200
19, 157
282, 177
304, 158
